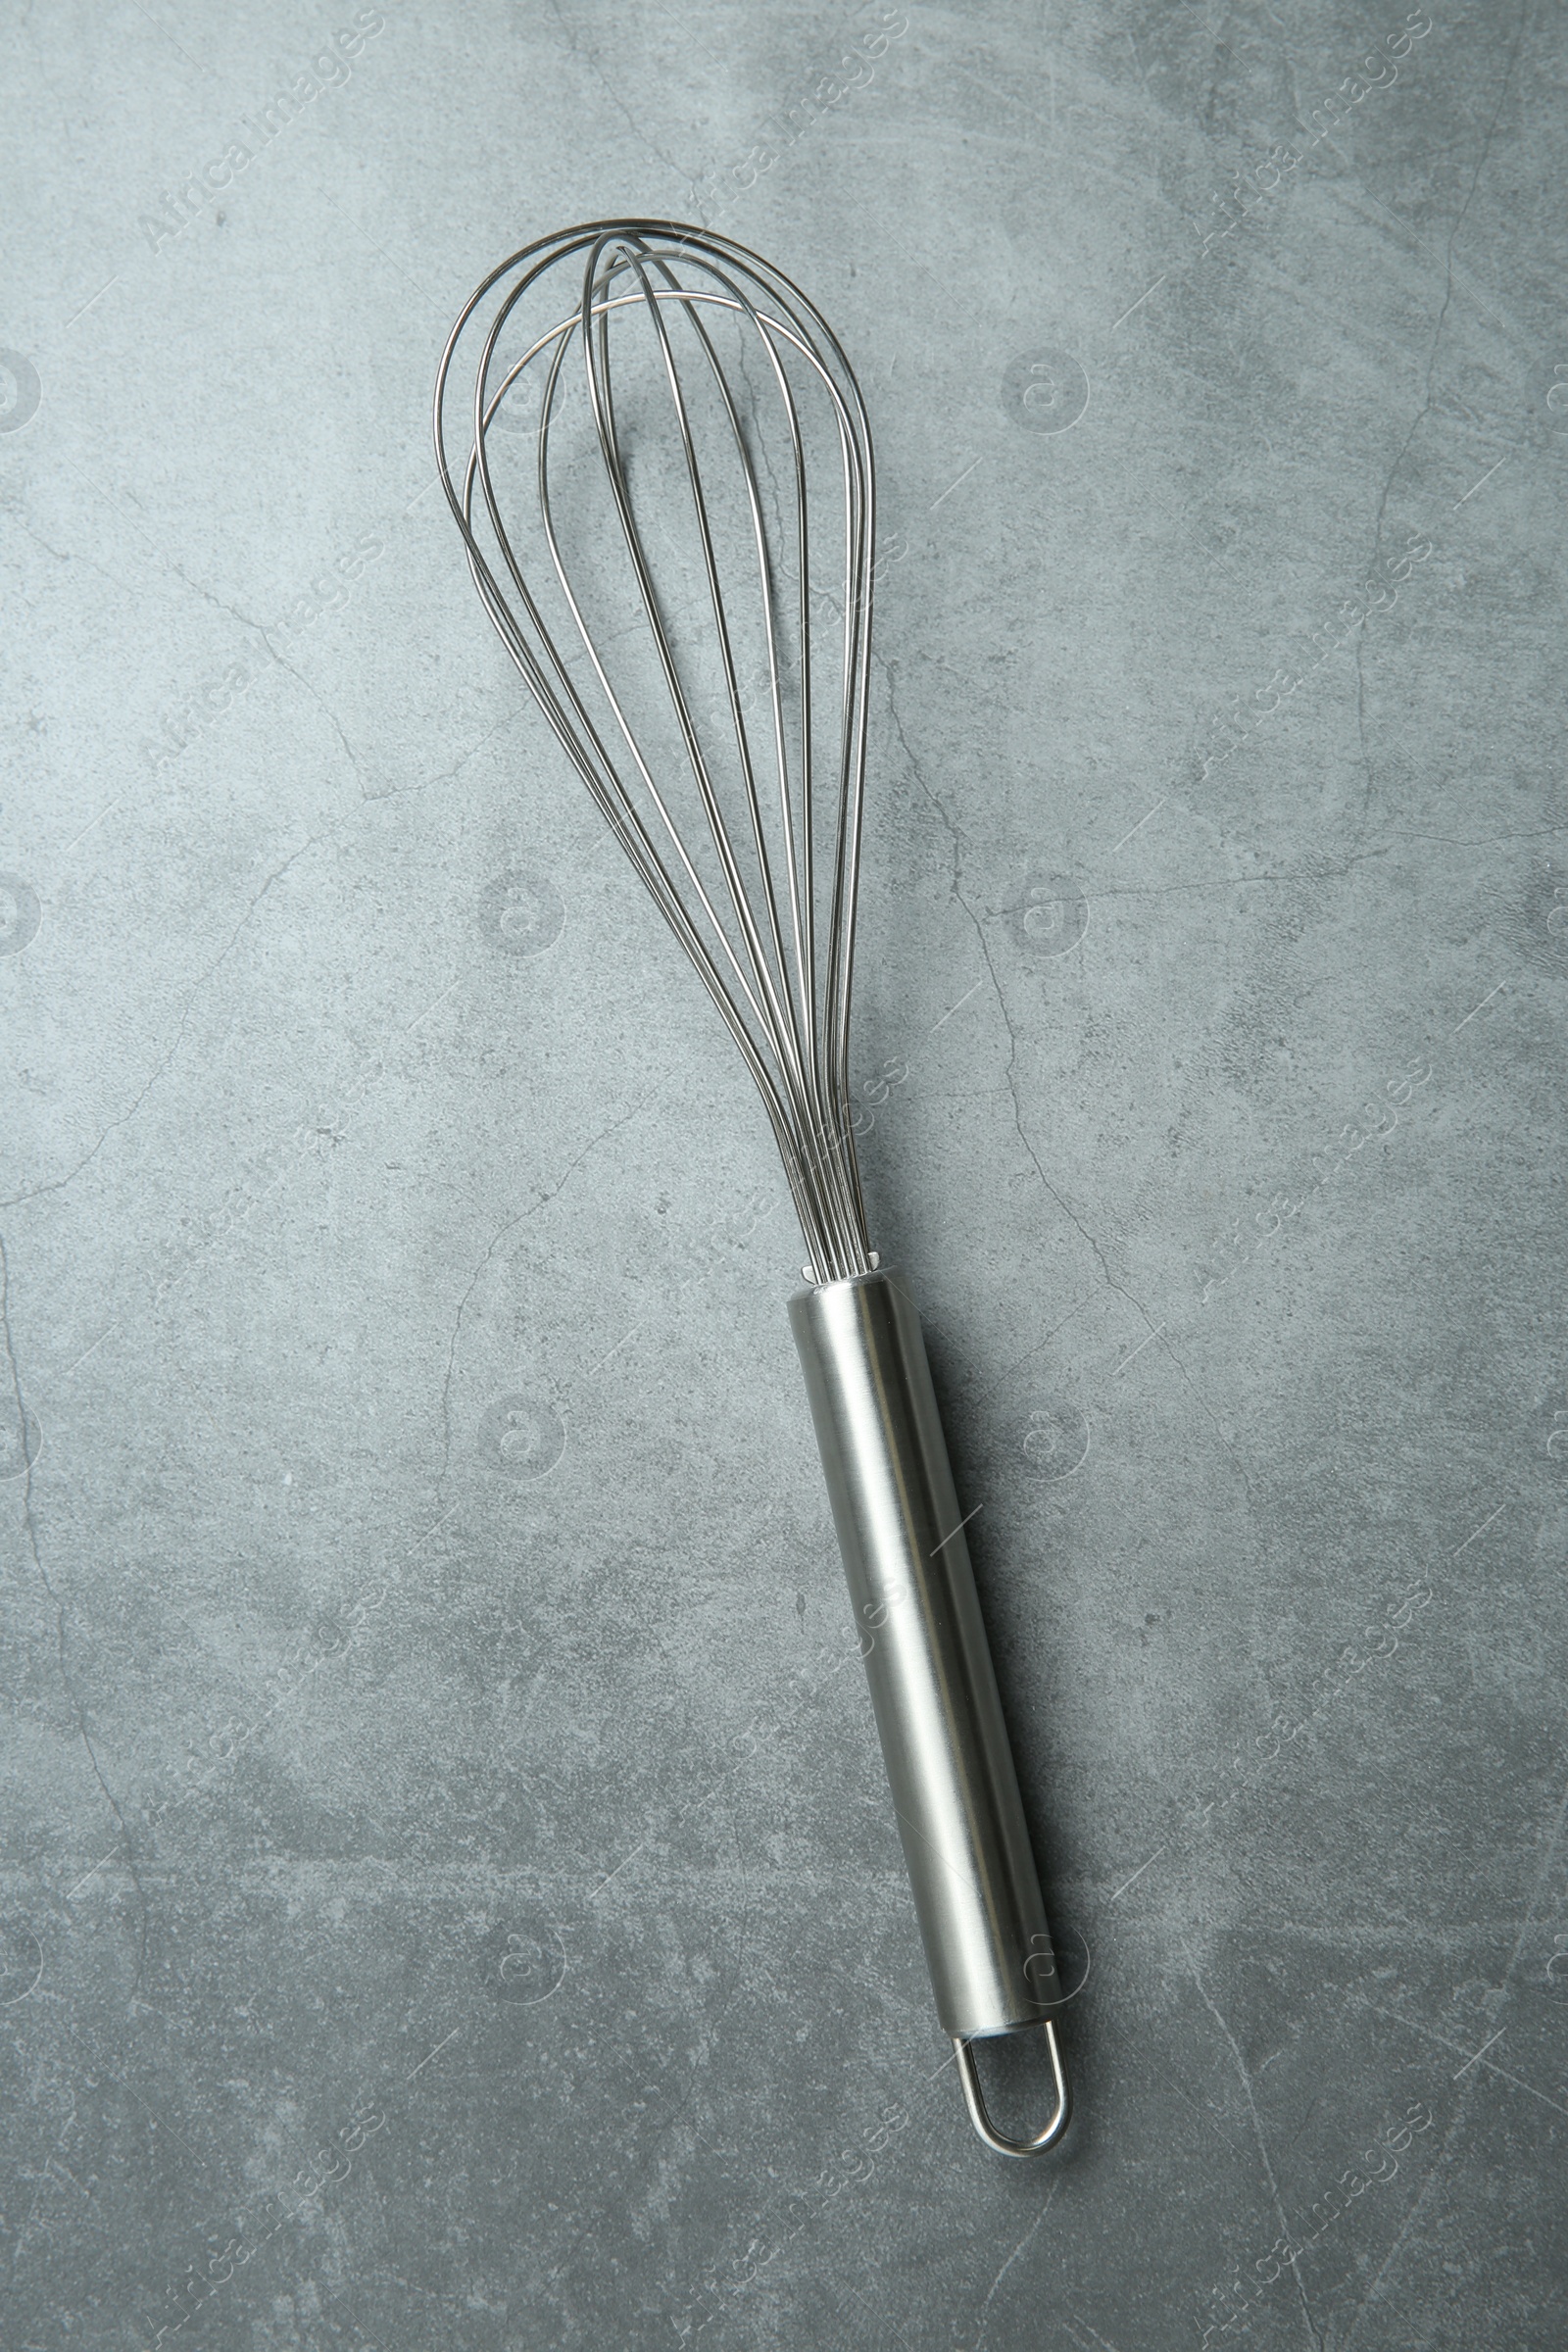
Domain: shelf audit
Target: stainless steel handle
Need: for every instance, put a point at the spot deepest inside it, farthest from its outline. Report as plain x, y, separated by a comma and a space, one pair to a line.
933, 1688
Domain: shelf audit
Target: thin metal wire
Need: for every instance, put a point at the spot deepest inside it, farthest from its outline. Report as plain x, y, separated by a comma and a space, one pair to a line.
772, 937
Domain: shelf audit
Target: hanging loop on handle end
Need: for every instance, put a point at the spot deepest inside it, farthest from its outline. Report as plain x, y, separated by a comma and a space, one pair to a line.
979, 2114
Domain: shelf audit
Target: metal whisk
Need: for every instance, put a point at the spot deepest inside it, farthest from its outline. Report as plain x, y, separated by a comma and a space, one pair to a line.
643, 384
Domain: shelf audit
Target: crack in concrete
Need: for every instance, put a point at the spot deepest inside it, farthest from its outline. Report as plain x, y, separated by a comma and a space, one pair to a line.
446, 776
62, 555
590, 59
523, 1214
1263, 2143
1155, 1330
246, 621
1001, 1004
1426, 405
1543, 1873
31, 1524
1019, 2249
1305, 873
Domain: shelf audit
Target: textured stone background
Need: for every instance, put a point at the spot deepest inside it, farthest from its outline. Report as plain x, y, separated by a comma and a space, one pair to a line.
432, 1737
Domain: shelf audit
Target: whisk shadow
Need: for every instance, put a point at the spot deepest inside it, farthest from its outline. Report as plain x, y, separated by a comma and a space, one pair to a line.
1002, 1601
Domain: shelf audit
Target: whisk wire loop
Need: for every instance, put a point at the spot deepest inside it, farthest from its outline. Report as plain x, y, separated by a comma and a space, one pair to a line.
772, 935
780, 1018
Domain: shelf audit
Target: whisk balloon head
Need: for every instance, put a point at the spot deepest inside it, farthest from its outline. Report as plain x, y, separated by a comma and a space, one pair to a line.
660, 461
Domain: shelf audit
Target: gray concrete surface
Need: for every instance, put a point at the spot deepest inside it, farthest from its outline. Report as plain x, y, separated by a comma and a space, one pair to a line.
449, 1900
